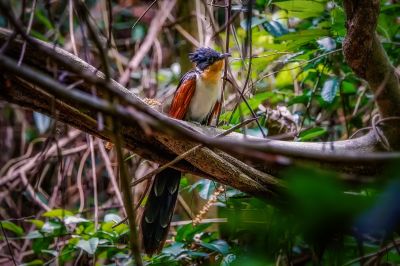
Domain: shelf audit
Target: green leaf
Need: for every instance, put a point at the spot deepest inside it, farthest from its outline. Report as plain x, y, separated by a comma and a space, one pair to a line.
254, 102
312, 133
298, 5
33, 235
175, 249
196, 254
299, 99
57, 213
33, 263
51, 252
304, 35
112, 217
43, 19
348, 88
255, 21
228, 259
50, 227
302, 9
330, 89
40, 244
74, 220
187, 232
38, 223
10, 226
89, 246
219, 246
275, 28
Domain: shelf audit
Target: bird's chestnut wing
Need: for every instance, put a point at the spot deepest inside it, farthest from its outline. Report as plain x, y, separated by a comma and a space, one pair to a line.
214, 112
183, 96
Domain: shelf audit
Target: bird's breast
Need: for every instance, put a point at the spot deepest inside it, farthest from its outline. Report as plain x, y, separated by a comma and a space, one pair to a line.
207, 93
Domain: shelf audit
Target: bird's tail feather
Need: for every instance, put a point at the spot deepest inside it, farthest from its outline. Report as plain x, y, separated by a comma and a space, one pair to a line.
159, 209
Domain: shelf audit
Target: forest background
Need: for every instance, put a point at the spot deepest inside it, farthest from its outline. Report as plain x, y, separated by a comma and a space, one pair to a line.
302, 169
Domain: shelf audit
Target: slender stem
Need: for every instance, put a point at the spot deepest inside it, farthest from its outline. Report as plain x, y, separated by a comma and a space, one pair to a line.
228, 19
126, 188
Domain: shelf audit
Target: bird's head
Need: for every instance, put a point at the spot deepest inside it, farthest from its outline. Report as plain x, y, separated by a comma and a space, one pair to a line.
207, 57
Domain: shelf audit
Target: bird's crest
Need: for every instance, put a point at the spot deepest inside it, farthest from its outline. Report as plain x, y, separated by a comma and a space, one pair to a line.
204, 57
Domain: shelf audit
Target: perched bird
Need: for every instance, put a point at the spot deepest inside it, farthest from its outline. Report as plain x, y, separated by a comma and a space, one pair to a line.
198, 99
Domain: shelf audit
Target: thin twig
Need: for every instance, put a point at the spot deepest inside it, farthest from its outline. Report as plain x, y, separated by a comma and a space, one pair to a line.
128, 204
8, 244
94, 181
71, 26
28, 30
142, 15
111, 175
79, 180
225, 75
247, 105
84, 14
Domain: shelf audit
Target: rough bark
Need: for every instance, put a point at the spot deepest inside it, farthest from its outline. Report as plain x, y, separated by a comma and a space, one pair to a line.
366, 56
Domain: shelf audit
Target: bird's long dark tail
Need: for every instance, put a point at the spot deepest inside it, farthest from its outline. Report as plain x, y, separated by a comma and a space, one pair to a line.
159, 209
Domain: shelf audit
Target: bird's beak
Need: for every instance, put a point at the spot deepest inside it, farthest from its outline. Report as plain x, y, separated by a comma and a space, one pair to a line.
224, 55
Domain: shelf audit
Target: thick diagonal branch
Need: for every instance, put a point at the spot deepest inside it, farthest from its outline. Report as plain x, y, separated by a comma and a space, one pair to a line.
167, 137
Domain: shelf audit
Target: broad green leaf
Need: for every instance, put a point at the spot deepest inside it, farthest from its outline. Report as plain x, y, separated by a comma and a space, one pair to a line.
298, 5
304, 35
43, 19
74, 220
49, 227
312, 133
187, 232
107, 226
330, 89
89, 246
175, 249
275, 28
38, 223
219, 246
40, 244
121, 229
196, 254
302, 9
34, 234
348, 87
57, 213
303, 14
299, 99
287, 74
10, 226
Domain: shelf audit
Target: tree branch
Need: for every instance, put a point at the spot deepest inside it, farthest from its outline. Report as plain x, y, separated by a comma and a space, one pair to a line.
30, 88
366, 56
